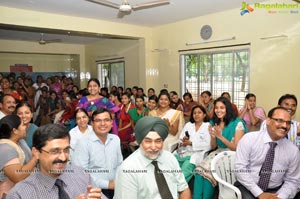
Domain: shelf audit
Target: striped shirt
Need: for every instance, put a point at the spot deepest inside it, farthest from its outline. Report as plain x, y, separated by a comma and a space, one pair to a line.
41, 186
250, 156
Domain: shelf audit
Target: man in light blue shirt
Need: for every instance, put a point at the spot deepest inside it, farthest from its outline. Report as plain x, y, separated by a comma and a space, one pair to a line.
251, 154
99, 152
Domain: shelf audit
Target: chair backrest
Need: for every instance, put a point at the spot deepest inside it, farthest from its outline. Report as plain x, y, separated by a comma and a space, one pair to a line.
222, 167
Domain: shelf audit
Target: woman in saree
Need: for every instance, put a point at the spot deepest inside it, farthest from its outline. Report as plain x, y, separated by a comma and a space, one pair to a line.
94, 100
125, 126
16, 162
172, 117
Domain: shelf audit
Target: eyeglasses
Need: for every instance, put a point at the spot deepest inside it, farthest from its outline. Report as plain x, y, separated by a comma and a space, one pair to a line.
102, 120
58, 151
281, 121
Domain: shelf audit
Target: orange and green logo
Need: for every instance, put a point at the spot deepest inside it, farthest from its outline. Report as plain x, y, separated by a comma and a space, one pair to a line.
246, 8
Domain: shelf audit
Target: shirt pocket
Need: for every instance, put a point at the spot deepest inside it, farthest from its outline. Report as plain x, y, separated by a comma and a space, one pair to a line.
278, 171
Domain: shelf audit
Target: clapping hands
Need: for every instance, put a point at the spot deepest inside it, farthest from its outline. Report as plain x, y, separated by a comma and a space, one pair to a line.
215, 131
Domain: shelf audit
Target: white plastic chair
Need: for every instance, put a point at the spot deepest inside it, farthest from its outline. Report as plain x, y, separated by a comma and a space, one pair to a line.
222, 167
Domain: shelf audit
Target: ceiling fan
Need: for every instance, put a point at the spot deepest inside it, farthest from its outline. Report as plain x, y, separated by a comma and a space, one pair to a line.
44, 41
126, 8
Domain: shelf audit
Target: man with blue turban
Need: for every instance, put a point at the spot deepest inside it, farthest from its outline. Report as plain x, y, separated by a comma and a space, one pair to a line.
151, 172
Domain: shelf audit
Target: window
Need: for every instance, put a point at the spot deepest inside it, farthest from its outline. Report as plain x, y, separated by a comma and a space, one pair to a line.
111, 74
217, 72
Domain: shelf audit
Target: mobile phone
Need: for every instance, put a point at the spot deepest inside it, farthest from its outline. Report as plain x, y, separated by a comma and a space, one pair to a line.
187, 134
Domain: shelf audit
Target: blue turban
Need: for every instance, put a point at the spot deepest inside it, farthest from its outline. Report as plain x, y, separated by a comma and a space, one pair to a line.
147, 124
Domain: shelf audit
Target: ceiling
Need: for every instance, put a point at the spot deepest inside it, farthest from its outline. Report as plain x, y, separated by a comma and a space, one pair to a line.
175, 11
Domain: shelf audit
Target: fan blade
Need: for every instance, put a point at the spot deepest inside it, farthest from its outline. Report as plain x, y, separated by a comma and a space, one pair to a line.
150, 4
106, 3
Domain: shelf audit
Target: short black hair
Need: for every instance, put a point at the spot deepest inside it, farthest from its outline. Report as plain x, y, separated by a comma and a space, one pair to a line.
3, 96
205, 119
173, 92
140, 97
271, 112
121, 87
99, 111
141, 89
48, 132
287, 96
250, 95
153, 97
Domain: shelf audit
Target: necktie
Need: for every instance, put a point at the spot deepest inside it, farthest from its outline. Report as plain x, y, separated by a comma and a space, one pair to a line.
161, 182
266, 169
62, 194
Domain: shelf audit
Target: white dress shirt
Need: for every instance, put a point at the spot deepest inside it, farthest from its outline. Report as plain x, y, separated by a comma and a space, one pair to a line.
250, 155
135, 177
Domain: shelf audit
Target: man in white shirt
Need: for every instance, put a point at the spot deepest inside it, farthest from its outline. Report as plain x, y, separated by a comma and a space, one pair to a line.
7, 105
289, 101
136, 179
251, 158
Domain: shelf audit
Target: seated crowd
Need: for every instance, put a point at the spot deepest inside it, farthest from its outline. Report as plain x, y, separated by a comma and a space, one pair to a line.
120, 142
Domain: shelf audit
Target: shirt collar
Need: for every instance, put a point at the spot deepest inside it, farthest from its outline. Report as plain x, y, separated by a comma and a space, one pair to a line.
48, 181
94, 138
268, 139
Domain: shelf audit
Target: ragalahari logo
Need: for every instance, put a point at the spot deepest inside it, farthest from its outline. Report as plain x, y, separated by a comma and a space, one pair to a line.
246, 8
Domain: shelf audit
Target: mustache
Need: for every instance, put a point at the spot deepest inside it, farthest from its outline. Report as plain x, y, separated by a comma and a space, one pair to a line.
60, 161
152, 151
11, 107
282, 128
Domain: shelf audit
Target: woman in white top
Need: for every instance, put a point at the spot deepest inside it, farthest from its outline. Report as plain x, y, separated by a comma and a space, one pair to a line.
82, 128
194, 141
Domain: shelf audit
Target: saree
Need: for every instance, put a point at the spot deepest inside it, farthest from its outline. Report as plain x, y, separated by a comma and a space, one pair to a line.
7, 184
102, 102
172, 115
126, 135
